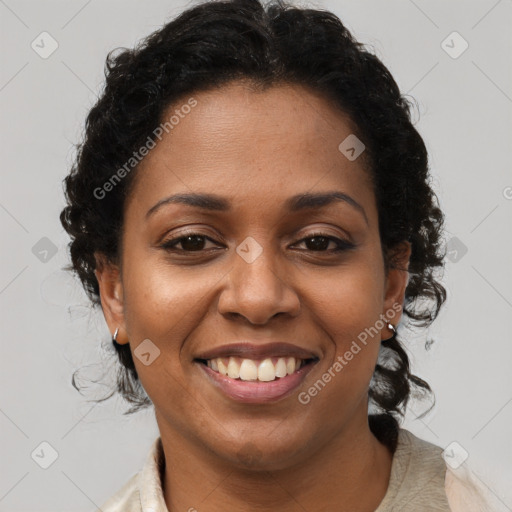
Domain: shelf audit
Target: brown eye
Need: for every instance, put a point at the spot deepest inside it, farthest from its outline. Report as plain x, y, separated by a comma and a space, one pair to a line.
320, 243
193, 243
317, 243
189, 243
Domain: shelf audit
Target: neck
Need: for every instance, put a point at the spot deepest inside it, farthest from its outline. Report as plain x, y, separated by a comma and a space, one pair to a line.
352, 469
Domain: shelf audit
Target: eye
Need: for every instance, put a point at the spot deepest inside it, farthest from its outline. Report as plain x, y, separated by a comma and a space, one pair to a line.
191, 242
319, 242
196, 242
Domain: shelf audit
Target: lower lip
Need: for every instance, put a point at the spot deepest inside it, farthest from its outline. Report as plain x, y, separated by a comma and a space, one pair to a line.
256, 391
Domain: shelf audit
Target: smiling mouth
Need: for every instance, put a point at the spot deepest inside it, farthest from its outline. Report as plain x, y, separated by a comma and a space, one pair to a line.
262, 370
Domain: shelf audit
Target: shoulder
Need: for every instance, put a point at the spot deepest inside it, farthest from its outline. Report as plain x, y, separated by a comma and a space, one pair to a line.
466, 492
143, 491
422, 480
408, 442
419, 474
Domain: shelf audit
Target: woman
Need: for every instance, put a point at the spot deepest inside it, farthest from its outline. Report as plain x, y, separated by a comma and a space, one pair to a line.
251, 208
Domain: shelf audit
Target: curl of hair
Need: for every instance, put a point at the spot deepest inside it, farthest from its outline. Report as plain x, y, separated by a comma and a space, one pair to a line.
215, 43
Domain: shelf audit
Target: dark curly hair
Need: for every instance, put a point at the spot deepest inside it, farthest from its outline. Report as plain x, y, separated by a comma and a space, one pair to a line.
218, 42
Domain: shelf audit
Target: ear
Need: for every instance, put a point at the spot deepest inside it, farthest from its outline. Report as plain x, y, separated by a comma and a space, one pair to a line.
396, 282
111, 295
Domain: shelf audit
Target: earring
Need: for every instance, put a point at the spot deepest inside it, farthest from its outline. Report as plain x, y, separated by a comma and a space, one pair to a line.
114, 338
391, 327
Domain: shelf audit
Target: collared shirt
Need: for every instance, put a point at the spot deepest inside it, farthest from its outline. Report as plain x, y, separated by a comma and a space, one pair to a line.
420, 481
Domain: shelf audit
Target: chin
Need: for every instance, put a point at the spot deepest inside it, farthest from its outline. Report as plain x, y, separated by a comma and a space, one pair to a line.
258, 454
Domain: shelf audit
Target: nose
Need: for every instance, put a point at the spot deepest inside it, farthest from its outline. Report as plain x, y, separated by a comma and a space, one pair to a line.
258, 291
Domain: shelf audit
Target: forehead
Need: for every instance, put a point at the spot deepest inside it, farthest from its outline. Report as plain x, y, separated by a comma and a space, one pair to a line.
250, 144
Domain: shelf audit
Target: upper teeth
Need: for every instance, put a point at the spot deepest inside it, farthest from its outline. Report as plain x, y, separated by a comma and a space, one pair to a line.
250, 369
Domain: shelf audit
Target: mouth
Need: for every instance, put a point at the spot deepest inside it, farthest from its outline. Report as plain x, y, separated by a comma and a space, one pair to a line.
256, 381
261, 370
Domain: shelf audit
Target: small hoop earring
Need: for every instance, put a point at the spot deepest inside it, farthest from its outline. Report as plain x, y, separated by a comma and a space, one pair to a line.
391, 327
114, 338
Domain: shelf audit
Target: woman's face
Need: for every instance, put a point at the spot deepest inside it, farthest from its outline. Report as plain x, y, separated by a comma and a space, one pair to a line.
256, 272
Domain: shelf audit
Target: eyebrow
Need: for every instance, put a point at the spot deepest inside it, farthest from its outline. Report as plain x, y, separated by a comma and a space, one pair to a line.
295, 203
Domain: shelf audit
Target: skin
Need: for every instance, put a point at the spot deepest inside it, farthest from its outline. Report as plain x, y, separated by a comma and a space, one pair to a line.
256, 149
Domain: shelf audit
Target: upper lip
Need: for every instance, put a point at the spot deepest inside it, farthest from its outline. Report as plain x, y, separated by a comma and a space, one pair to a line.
246, 350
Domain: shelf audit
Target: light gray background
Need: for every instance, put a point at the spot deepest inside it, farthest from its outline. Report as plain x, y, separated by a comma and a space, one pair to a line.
48, 329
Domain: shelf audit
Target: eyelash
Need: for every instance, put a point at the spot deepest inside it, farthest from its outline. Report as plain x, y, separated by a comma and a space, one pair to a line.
341, 245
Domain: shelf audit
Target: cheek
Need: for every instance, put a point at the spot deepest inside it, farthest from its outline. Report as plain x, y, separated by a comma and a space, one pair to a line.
160, 302
164, 304
162, 308
347, 306
348, 300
